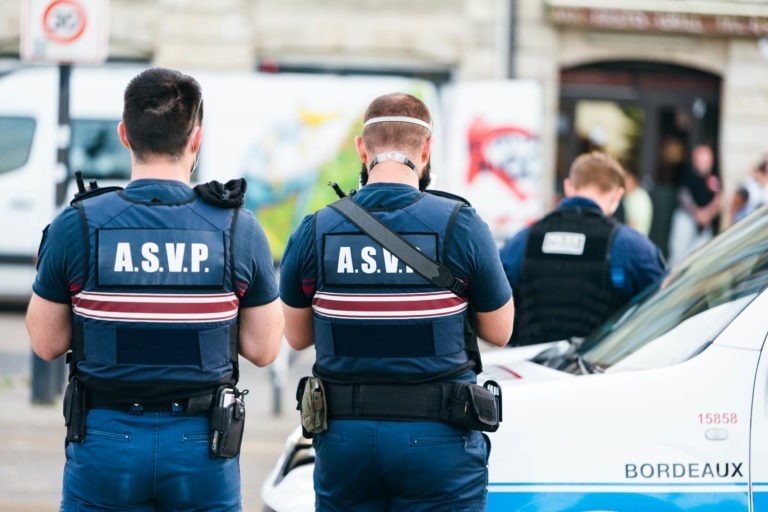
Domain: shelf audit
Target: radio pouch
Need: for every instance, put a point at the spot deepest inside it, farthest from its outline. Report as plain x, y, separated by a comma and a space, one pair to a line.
75, 411
312, 404
227, 422
472, 407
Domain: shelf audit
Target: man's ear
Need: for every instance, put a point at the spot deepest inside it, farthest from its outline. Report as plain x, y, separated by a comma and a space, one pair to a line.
568, 189
122, 134
362, 151
619, 193
426, 150
196, 139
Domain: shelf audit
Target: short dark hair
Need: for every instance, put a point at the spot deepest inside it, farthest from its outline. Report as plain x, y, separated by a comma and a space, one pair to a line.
161, 108
399, 135
597, 168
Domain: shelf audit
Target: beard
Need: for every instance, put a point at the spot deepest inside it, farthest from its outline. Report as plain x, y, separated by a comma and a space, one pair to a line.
424, 180
426, 176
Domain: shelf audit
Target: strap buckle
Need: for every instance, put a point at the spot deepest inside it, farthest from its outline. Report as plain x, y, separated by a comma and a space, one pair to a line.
458, 287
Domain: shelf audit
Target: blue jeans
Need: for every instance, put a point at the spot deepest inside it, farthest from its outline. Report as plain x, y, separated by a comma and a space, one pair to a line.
367, 466
148, 462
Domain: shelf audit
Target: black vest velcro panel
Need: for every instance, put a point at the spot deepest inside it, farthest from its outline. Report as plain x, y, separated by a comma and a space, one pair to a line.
565, 287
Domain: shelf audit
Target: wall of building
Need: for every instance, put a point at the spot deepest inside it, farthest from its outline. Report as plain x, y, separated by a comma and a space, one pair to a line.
537, 58
744, 114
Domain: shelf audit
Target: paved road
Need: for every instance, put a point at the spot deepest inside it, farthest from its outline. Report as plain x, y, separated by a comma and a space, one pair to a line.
32, 457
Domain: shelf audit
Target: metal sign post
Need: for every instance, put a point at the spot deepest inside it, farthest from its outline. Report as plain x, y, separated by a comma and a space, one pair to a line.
64, 132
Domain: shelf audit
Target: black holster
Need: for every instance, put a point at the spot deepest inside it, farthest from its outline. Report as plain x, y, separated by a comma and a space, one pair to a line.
227, 422
75, 410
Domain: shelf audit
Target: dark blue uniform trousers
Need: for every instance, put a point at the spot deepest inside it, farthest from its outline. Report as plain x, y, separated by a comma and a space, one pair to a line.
367, 466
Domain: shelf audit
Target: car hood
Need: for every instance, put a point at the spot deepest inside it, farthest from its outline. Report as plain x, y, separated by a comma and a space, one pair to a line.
510, 365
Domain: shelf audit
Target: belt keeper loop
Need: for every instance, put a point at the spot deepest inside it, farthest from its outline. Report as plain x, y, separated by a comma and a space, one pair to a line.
437, 400
176, 408
136, 409
356, 397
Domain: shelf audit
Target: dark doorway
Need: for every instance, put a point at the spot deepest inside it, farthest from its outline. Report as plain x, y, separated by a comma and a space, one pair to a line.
648, 115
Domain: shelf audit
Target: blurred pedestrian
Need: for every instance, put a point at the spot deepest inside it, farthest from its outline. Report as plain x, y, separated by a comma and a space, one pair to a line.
155, 289
699, 202
572, 269
739, 204
637, 205
752, 193
392, 346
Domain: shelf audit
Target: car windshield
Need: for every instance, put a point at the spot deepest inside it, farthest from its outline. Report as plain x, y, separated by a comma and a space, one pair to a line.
682, 315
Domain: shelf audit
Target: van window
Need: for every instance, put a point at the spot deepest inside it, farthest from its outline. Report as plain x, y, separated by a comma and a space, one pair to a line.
97, 151
16, 135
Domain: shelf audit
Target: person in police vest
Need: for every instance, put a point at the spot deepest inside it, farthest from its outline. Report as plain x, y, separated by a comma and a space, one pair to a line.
154, 289
392, 347
574, 267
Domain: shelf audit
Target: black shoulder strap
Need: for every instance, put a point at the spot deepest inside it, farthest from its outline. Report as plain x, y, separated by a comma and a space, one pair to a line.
234, 331
438, 274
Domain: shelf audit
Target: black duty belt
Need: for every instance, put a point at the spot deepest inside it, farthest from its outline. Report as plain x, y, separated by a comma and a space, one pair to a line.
194, 405
461, 404
388, 401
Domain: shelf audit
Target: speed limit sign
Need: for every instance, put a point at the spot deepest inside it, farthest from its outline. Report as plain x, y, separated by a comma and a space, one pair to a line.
65, 31
64, 21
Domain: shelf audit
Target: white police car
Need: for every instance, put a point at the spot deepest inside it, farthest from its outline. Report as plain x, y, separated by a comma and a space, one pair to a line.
664, 408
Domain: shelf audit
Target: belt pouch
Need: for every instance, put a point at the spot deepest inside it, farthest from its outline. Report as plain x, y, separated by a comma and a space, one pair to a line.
313, 406
227, 422
472, 407
75, 411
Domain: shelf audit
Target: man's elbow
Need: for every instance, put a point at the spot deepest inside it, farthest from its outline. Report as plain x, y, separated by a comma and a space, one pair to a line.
299, 341
498, 336
261, 352
45, 353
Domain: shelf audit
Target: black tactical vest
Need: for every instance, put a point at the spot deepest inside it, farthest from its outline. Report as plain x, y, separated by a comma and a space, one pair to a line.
565, 287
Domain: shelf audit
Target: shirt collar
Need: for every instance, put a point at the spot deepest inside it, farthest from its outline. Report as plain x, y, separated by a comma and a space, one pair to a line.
386, 195
167, 191
580, 202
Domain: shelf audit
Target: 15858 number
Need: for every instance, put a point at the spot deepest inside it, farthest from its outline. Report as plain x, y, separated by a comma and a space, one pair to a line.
718, 418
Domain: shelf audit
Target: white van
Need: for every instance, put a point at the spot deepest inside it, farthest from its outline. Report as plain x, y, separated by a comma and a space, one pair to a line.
288, 135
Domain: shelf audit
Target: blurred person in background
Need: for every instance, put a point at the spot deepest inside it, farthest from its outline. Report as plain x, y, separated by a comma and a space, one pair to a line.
752, 193
155, 289
636, 203
573, 268
699, 201
388, 341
